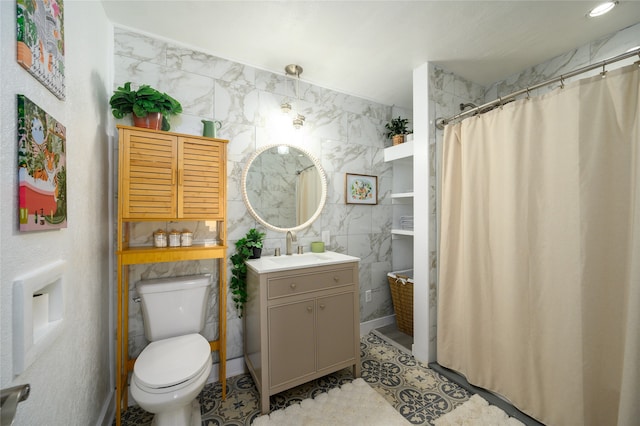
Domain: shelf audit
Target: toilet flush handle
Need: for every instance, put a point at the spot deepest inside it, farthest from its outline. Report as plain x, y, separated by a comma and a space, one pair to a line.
136, 299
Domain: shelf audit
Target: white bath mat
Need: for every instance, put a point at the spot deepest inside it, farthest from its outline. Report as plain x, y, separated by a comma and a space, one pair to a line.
477, 412
354, 404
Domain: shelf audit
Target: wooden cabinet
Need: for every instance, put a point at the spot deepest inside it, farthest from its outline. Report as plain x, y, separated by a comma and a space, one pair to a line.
171, 176
300, 325
166, 176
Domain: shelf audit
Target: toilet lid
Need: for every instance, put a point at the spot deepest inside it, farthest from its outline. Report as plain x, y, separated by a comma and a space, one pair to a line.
171, 361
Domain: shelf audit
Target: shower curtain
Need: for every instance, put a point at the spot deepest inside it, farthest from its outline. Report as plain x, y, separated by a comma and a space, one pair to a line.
308, 193
539, 276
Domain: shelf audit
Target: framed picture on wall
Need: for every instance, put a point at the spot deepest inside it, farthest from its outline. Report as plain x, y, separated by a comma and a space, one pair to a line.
42, 169
40, 42
361, 189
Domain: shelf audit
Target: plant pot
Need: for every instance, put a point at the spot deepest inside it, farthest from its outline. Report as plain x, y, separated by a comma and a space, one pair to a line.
397, 139
257, 252
152, 120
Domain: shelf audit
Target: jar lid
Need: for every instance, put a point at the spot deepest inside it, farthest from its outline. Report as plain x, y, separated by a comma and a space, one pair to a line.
174, 232
159, 232
186, 231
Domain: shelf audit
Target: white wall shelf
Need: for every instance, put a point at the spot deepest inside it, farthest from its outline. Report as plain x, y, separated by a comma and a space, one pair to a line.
398, 152
408, 232
402, 198
402, 195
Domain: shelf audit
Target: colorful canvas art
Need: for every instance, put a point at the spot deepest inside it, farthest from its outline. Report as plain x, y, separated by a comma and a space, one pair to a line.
40, 41
42, 170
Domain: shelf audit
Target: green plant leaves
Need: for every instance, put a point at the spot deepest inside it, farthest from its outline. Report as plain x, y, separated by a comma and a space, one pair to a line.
397, 126
244, 249
143, 101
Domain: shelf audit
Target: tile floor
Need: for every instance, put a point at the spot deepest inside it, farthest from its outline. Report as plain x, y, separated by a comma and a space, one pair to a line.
419, 393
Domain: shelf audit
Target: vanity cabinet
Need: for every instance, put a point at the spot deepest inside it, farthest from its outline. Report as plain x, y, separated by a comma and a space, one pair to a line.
301, 324
167, 177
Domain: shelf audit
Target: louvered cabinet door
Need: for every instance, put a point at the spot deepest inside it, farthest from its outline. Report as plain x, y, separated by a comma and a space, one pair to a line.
201, 177
148, 185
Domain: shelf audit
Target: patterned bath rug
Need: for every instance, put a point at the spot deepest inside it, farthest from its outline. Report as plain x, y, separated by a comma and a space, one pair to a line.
477, 412
353, 404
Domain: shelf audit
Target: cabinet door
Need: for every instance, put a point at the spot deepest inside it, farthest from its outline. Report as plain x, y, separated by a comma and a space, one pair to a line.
291, 341
201, 174
148, 183
336, 329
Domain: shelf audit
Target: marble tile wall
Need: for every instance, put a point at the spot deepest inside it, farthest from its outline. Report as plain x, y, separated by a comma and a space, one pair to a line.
344, 132
594, 52
447, 91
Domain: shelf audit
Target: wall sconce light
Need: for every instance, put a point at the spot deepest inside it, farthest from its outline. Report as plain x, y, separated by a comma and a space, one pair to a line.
285, 107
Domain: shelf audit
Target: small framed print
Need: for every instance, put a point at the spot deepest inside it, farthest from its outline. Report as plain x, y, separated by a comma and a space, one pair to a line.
361, 189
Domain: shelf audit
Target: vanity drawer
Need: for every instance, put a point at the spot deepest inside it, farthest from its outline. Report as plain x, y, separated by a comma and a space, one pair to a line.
304, 283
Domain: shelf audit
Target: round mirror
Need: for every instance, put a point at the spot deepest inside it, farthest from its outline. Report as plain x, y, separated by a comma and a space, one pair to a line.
284, 187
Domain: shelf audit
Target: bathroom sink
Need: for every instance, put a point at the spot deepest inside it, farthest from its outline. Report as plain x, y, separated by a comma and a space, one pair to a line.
295, 261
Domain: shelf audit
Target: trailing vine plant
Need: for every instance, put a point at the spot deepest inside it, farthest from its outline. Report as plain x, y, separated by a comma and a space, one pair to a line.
244, 251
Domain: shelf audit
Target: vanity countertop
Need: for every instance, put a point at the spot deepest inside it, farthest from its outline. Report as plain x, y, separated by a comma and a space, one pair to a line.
268, 264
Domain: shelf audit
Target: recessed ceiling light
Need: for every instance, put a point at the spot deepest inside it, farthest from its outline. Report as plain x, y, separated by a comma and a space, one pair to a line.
603, 8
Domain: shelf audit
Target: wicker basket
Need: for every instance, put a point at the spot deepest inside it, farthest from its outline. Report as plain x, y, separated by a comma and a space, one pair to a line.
397, 139
401, 285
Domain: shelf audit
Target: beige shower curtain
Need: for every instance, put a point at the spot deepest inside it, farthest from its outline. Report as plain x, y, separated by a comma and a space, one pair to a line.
539, 278
308, 193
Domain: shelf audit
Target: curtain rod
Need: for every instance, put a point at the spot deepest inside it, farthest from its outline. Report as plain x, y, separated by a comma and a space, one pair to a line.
305, 169
441, 122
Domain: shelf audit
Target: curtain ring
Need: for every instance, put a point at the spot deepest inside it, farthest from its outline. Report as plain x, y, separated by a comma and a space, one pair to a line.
528, 94
500, 102
562, 81
604, 71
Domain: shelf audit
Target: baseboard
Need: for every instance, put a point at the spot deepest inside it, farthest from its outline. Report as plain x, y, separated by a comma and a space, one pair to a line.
367, 327
108, 411
235, 367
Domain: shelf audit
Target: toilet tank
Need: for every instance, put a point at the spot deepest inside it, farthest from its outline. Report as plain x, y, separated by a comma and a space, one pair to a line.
173, 306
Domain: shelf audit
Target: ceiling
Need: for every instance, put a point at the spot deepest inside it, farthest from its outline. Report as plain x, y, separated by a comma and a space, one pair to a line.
369, 48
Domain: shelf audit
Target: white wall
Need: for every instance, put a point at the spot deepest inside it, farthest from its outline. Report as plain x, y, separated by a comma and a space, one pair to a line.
71, 381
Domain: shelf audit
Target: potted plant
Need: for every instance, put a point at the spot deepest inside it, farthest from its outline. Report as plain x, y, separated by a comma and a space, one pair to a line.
244, 250
254, 242
397, 128
147, 105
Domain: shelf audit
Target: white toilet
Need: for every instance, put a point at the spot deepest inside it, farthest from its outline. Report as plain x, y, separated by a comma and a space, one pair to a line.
172, 370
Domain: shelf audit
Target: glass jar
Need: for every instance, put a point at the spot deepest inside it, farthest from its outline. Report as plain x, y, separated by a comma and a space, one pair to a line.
186, 238
159, 238
174, 238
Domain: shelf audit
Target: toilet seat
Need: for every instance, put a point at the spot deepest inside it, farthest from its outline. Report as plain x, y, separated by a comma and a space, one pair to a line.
172, 362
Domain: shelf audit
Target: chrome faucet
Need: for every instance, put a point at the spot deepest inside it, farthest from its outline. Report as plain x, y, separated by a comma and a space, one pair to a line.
291, 237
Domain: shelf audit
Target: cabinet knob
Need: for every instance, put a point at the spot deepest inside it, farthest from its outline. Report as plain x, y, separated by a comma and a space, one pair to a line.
322, 306
309, 309
336, 279
293, 286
